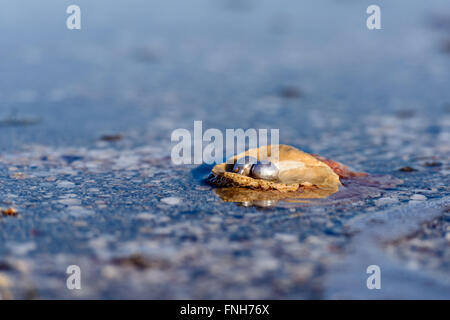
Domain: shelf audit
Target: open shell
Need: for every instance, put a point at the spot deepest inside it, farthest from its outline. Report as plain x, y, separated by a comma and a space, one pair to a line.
297, 170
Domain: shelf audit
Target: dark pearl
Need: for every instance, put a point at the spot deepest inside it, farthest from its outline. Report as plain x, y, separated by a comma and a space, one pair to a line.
244, 165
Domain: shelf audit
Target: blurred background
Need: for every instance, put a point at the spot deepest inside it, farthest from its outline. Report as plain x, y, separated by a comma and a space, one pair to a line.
155, 66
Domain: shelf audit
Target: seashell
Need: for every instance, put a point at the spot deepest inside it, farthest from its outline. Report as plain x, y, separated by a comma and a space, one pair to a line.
296, 170
300, 177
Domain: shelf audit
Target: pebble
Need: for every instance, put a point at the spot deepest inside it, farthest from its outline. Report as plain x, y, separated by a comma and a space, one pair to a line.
21, 248
78, 211
70, 201
173, 201
385, 200
4, 281
284, 237
65, 184
418, 197
146, 216
8, 212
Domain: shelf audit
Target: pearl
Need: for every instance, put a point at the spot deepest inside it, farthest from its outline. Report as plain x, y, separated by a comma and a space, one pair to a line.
264, 170
244, 165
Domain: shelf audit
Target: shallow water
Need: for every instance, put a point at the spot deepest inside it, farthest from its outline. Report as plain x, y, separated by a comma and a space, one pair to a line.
141, 227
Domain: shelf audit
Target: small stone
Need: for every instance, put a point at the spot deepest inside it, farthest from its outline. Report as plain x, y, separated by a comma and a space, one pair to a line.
405, 114
385, 200
78, 211
432, 164
290, 92
173, 201
303, 273
111, 138
5, 282
146, 216
285, 237
19, 176
21, 248
110, 272
65, 184
418, 197
407, 169
70, 201
139, 262
9, 212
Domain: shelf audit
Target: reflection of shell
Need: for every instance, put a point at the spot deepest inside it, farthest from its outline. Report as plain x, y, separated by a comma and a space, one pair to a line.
297, 169
251, 195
